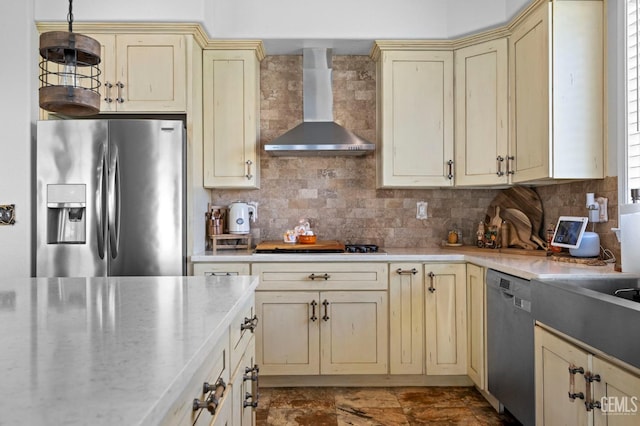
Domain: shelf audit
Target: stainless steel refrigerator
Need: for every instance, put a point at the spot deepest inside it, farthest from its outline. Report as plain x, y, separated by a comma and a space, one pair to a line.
110, 198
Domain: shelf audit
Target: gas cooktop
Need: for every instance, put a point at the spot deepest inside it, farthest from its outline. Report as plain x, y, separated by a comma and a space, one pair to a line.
330, 246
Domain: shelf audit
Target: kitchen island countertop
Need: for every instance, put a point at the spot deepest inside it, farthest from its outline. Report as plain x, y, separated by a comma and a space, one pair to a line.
107, 351
528, 267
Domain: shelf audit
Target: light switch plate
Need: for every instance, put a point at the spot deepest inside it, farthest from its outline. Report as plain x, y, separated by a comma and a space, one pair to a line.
421, 210
7, 214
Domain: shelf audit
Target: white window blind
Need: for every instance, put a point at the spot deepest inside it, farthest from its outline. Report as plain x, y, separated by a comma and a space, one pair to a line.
633, 121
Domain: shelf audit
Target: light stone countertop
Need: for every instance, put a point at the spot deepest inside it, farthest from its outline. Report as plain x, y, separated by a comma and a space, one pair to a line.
528, 267
107, 351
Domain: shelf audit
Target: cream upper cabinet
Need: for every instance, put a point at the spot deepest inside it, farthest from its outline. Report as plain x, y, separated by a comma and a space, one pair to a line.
445, 318
482, 114
143, 72
231, 118
557, 92
414, 118
476, 325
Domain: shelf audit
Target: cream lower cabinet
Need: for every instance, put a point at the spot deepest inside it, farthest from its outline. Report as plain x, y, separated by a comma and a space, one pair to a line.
557, 104
143, 72
415, 117
476, 325
406, 318
428, 326
576, 387
322, 319
482, 114
217, 269
231, 117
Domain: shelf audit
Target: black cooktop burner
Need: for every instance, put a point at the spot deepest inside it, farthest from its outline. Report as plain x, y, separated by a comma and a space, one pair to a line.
360, 248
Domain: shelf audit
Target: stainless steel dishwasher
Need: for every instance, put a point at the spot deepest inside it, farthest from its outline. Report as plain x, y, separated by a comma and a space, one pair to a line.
510, 350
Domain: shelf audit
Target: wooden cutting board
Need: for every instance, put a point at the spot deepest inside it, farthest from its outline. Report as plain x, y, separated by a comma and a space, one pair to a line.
522, 198
281, 246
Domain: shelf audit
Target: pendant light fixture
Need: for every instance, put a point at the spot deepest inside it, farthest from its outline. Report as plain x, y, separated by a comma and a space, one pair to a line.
69, 72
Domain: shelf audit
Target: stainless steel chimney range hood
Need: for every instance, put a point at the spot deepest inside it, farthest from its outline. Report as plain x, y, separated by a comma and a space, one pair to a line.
318, 134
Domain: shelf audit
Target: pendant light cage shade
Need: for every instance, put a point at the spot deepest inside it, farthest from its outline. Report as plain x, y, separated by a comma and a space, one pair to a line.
69, 73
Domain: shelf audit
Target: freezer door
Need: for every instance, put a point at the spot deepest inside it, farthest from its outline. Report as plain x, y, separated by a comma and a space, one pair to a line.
71, 198
147, 198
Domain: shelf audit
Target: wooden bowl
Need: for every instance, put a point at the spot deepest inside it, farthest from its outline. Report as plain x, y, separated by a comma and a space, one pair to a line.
307, 239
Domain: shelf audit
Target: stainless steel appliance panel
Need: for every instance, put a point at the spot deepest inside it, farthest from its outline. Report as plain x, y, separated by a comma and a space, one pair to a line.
510, 344
147, 224
111, 198
59, 146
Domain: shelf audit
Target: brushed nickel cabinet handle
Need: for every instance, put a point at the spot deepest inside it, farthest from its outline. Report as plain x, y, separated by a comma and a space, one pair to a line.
500, 159
510, 159
107, 96
249, 176
120, 86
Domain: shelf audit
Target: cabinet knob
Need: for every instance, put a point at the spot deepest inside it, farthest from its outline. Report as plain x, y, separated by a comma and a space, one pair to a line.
249, 324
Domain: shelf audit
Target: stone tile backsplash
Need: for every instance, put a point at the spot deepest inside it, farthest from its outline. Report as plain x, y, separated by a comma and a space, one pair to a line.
338, 195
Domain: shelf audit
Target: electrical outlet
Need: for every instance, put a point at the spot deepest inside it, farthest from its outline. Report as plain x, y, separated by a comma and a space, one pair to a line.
7, 214
421, 210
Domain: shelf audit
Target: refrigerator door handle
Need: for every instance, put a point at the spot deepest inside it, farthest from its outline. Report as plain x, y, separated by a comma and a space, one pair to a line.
114, 201
100, 208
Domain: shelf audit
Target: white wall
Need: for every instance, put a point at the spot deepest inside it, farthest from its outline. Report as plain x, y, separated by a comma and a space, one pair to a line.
17, 112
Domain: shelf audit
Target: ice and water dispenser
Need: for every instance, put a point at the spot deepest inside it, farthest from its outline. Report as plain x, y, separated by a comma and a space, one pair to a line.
66, 214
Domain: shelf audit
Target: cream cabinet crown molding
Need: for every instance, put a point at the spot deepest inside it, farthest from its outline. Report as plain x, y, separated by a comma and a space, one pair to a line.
186, 28
453, 44
228, 44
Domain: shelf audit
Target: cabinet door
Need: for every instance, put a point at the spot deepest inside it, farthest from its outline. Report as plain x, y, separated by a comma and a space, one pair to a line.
287, 337
529, 80
482, 114
231, 119
415, 114
107, 69
244, 389
152, 70
618, 393
406, 319
553, 359
476, 335
353, 332
445, 318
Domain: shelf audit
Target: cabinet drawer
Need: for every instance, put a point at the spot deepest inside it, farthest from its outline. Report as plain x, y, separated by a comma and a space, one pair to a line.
221, 269
214, 368
241, 332
322, 276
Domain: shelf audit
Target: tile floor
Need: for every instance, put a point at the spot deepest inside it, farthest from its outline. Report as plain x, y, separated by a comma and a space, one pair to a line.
377, 406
